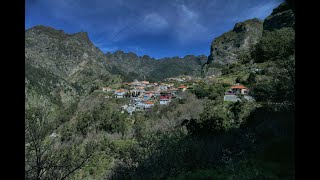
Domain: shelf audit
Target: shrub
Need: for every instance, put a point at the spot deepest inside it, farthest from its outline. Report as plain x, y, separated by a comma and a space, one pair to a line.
275, 45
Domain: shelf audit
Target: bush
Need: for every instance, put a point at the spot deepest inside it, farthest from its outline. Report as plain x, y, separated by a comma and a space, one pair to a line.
275, 45
244, 57
212, 91
251, 78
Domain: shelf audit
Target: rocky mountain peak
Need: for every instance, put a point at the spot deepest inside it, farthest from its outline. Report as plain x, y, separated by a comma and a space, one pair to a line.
247, 25
282, 16
281, 8
82, 36
225, 47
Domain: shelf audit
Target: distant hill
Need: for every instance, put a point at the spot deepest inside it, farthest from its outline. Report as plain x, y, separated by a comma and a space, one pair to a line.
131, 66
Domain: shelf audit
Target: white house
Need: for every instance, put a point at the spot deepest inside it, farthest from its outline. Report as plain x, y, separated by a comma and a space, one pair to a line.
164, 100
120, 93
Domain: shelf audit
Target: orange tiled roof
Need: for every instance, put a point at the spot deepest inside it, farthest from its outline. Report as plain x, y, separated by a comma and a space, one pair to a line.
121, 90
149, 102
238, 87
182, 86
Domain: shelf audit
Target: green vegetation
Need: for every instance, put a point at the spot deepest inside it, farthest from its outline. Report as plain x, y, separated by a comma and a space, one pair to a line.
212, 91
196, 136
275, 45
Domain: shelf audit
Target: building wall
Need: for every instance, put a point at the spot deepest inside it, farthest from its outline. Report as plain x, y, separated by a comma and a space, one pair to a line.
164, 102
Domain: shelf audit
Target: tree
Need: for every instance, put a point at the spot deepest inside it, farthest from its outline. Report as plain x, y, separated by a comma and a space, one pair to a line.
251, 78
279, 86
244, 57
47, 157
275, 45
238, 79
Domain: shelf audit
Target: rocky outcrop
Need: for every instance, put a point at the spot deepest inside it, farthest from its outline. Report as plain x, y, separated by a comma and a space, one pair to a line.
281, 17
224, 48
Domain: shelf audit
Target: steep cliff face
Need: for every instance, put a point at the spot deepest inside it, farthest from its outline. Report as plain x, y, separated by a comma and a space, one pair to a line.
224, 48
282, 16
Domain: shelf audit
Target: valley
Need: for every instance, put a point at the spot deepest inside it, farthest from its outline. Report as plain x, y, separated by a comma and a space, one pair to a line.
228, 115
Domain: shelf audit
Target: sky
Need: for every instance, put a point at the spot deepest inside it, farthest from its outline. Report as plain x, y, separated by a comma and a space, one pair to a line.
158, 28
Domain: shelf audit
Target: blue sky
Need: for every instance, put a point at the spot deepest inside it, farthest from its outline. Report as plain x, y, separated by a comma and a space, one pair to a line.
157, 28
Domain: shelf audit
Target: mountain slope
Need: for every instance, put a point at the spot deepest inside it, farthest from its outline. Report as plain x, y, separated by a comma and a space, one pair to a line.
131, 66
61, 69
72, 57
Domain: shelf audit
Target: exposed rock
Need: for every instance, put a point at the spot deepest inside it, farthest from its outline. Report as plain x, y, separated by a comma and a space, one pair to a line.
282, 16
224, 48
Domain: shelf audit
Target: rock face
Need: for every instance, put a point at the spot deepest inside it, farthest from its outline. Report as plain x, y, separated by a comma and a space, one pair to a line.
282, 16
224, 48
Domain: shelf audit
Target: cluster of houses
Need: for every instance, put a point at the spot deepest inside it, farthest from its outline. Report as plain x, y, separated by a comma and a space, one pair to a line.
143, 94
234, 91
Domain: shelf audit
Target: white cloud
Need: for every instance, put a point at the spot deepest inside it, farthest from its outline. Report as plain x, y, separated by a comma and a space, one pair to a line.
155, 21
260, 11
188, 27
188, 13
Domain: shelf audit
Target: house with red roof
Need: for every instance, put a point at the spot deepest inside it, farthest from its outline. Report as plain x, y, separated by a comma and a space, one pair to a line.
182, 88
165, 99
232, 94
238, 89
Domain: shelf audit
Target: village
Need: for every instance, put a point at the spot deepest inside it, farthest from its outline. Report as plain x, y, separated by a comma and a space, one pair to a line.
143, 95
